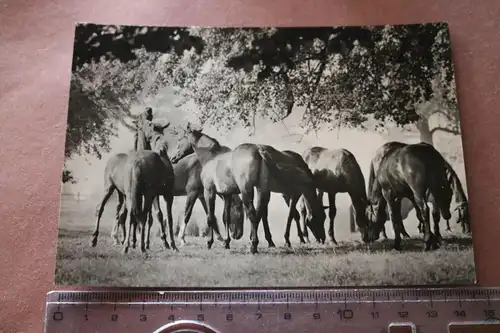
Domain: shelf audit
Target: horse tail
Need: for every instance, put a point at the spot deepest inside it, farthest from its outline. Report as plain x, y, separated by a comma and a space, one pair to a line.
236, 217
136, 192
285, 171
352, 219
371, 179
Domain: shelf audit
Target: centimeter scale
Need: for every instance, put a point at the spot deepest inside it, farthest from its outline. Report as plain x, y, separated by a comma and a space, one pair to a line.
406, 310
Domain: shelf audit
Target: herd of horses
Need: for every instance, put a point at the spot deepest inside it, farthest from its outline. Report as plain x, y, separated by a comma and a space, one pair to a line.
402, 176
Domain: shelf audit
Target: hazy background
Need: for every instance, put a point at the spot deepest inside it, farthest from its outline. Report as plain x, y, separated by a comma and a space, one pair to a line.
89, 170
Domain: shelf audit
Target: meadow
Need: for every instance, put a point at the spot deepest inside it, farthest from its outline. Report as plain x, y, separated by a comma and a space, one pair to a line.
350, 263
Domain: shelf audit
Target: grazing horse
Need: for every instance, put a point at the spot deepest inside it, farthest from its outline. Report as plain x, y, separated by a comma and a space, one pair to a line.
337, 171
187, 172
406, 205
412, 171
250, 166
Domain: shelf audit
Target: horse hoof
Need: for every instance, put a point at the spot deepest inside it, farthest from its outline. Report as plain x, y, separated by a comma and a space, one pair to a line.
93, 243
175, 249
307, 240
288, 244
125, 250
209, 244
271, 244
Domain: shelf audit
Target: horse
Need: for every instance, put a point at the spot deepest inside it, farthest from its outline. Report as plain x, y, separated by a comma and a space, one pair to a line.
145, 175
187, 172
406, 205
114, 174
337, 171
151, 175
412, 171
245, 167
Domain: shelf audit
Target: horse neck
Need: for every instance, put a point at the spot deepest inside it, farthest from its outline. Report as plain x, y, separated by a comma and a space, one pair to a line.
313, 204
204, 154
141, 143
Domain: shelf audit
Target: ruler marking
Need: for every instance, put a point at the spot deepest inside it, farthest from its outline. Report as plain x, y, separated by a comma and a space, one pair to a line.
287, 305
432, 303
402, 300
373, 301
316, 301
488, 297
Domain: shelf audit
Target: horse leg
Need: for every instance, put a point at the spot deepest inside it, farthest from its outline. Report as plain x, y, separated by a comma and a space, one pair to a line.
296, 217
169, 199
159, 217
123, 218
247, 199
422, 210
143, 220
188, 210
226, 218
436, 217
118, 222
216, 230
262, 210
130, 220
209, 195
109, 192
303, 214
332, 212
394, 207
291, 214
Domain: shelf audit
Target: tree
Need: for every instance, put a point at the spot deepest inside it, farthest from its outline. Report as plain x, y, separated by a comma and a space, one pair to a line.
341, 76
112, 67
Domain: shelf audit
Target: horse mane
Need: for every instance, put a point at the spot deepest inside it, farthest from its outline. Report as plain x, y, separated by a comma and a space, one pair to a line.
198, 135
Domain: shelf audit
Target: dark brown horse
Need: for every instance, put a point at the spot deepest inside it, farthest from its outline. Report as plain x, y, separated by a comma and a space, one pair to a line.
337, 171
412, 171
406, 205
251, 166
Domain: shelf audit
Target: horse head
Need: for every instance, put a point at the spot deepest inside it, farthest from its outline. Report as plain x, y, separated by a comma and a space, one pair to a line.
183, 148
371, 231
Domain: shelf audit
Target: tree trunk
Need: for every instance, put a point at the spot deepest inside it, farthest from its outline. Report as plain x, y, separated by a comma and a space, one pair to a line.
425, 131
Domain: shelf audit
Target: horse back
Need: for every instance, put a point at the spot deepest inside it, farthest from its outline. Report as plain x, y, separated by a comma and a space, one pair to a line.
187, 175
116, 170
149, 173
415, 167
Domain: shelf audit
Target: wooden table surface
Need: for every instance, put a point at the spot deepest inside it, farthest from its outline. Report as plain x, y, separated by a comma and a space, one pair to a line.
36, 39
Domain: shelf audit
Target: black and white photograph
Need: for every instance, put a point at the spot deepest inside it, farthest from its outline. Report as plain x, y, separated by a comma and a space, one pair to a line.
263, 157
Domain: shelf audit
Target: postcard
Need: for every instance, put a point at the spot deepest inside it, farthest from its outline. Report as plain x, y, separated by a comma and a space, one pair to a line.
263, 157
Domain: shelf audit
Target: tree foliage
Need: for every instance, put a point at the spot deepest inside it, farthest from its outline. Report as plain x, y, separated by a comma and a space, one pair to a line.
341, 76
112, 67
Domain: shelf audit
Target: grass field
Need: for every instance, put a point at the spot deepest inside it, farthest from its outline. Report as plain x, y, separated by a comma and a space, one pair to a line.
351, 263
